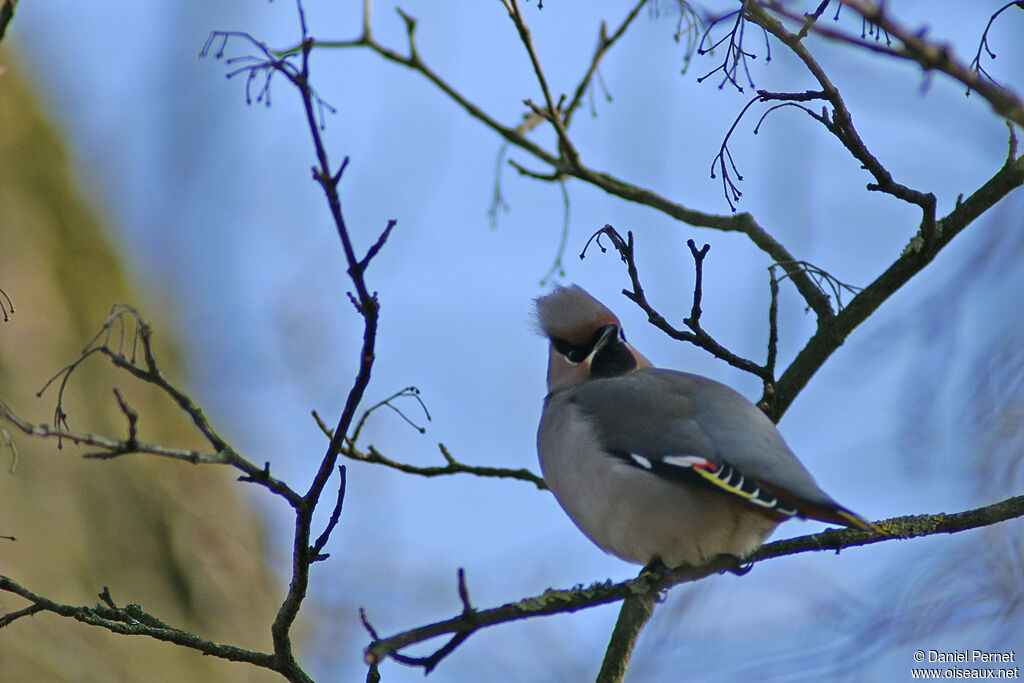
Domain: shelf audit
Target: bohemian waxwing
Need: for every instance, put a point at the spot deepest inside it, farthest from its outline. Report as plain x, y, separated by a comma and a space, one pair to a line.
658, 464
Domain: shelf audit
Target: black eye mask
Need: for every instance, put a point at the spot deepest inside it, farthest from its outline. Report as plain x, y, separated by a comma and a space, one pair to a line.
613, 358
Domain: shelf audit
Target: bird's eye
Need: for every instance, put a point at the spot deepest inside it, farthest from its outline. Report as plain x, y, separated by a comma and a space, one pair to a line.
572, 352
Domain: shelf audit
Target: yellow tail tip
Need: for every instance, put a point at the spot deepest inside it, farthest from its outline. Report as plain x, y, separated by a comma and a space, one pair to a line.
857, 522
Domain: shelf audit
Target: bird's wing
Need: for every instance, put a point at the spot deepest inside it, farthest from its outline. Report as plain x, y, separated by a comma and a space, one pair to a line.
692, 429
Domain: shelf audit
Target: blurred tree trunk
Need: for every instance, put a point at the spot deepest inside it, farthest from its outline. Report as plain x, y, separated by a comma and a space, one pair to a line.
179, 540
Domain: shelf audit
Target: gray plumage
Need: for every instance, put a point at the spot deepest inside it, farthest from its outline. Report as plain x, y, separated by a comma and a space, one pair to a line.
653, 463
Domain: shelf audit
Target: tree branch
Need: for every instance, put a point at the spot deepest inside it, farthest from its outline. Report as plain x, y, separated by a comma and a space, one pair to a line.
931, 56
841, 122
637, 609
6, 14
122, 338
132, 621
553, 111
913, 259
452, 466
650, 583
604, 43
111, 448
267, 63
743, 222
696, 334
6, 305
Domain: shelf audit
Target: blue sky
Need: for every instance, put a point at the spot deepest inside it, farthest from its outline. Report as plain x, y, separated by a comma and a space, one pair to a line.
226, 234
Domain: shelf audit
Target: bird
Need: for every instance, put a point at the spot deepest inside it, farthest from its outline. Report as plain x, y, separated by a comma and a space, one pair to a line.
656, 466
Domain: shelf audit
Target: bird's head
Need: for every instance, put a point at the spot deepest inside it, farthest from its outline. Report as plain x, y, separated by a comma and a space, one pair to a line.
586, 339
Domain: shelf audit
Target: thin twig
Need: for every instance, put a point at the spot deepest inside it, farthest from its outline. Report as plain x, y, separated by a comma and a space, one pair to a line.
553, 113
693, 322
5, 438
111, 447
768, 396
6, 305
498, 203
983, 44
130, 620
451, 466
557, 267
915, 47
742, 223
316, 551
696, 335
604, 43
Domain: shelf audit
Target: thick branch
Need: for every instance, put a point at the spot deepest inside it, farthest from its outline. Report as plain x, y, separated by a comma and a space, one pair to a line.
647, 583
636, 611
914, 258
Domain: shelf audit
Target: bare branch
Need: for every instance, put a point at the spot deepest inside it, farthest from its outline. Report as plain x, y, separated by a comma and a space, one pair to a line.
652, 583
743, 223
6, 305
407, 392
430, 662
6, 440
930, 55
735, 54
636, 611
825, 280
604, 43
841, 122
913, 259
111, 447
693, 322
133, 621
498, 203
696, 335
294, 66
768, 395
557, 266
553, 111
131, 415
6, 619
316, 551
121, 338
452, 466
975, 64
6, 14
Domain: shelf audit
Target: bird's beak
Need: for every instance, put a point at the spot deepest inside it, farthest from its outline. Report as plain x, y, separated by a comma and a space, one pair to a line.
607, 334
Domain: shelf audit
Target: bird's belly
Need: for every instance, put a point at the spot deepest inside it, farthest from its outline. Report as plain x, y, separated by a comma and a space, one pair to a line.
638, 516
